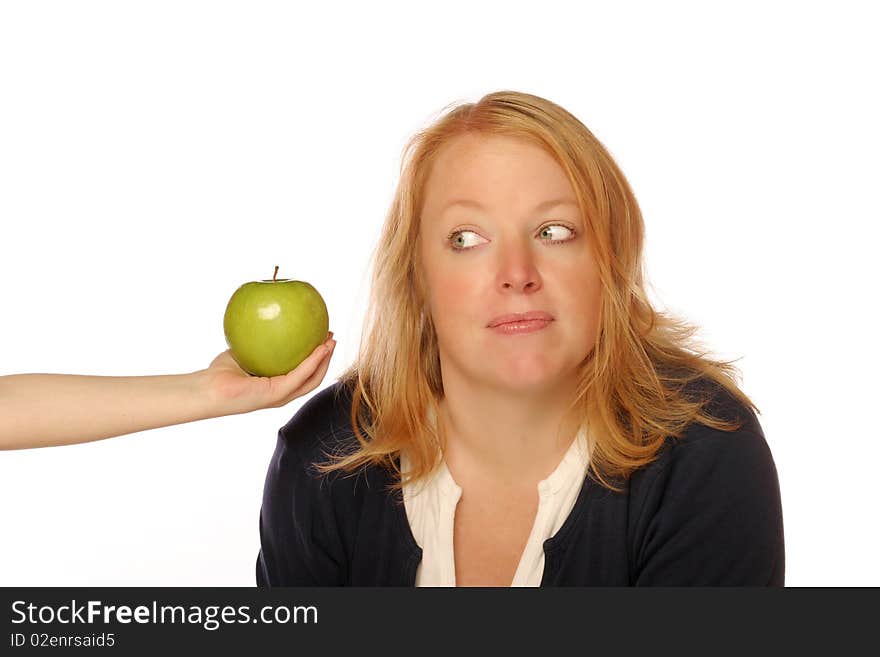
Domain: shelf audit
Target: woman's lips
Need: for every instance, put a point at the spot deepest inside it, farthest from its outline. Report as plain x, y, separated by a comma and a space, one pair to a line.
521, 317
519, 327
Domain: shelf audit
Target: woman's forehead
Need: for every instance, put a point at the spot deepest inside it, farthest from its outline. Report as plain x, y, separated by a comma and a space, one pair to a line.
479, 174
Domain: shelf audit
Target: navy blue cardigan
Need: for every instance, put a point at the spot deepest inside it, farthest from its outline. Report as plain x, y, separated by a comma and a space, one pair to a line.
706, 512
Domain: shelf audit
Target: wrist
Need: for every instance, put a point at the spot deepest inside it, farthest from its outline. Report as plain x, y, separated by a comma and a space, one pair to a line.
204, 390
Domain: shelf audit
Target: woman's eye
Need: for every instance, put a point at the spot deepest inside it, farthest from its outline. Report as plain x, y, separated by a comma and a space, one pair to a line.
458, 241
562, 237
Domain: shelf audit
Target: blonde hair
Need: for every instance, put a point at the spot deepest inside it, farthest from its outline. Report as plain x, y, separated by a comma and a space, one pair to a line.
631, 388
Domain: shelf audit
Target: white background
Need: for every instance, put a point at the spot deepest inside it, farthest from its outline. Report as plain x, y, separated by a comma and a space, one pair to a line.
156, 155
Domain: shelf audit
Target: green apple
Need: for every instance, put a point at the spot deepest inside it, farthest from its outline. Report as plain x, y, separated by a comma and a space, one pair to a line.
272, 326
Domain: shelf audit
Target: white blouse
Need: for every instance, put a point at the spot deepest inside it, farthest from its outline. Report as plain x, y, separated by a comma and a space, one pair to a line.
430, 509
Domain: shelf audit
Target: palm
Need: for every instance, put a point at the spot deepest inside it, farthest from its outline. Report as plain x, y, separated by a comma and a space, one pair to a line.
238, 392
233, 381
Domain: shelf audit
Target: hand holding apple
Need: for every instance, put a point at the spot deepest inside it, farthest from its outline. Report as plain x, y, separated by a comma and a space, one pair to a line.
233, 391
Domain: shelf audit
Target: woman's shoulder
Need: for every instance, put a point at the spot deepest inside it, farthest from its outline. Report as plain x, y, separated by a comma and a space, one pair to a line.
319, 430
701, 443
706, 463
712, 498
322, 422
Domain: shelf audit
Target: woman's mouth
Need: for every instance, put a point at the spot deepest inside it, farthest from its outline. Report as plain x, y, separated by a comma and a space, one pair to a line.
522, 326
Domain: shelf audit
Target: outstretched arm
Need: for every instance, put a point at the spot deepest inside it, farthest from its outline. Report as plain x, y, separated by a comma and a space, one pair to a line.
43, 410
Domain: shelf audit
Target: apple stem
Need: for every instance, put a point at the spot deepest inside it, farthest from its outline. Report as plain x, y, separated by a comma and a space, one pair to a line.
275, 274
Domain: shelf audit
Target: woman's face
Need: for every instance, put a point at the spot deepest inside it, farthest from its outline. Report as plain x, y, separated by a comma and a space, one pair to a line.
506, 249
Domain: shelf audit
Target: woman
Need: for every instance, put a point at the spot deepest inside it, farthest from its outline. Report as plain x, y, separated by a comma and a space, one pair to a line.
43, 410
519, 412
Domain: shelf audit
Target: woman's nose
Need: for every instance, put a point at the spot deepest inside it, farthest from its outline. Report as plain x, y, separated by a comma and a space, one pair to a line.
517, 270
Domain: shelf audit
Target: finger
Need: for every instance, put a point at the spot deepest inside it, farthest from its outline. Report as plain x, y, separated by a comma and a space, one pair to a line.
316, 377
223, 357
319, 373
310, 383
283, 385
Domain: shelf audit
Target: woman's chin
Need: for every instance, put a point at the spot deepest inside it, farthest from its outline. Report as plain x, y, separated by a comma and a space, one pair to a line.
524, 380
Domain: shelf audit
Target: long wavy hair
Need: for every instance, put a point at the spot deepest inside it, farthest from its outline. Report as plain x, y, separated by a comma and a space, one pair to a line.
634, 388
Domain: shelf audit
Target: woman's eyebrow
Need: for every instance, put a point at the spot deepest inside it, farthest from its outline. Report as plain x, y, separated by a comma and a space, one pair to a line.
544, 205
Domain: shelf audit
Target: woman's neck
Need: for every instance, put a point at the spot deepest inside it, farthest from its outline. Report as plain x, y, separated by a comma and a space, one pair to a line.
505, 441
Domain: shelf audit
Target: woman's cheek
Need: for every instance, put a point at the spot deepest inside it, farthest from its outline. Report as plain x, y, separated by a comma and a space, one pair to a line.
455, 285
